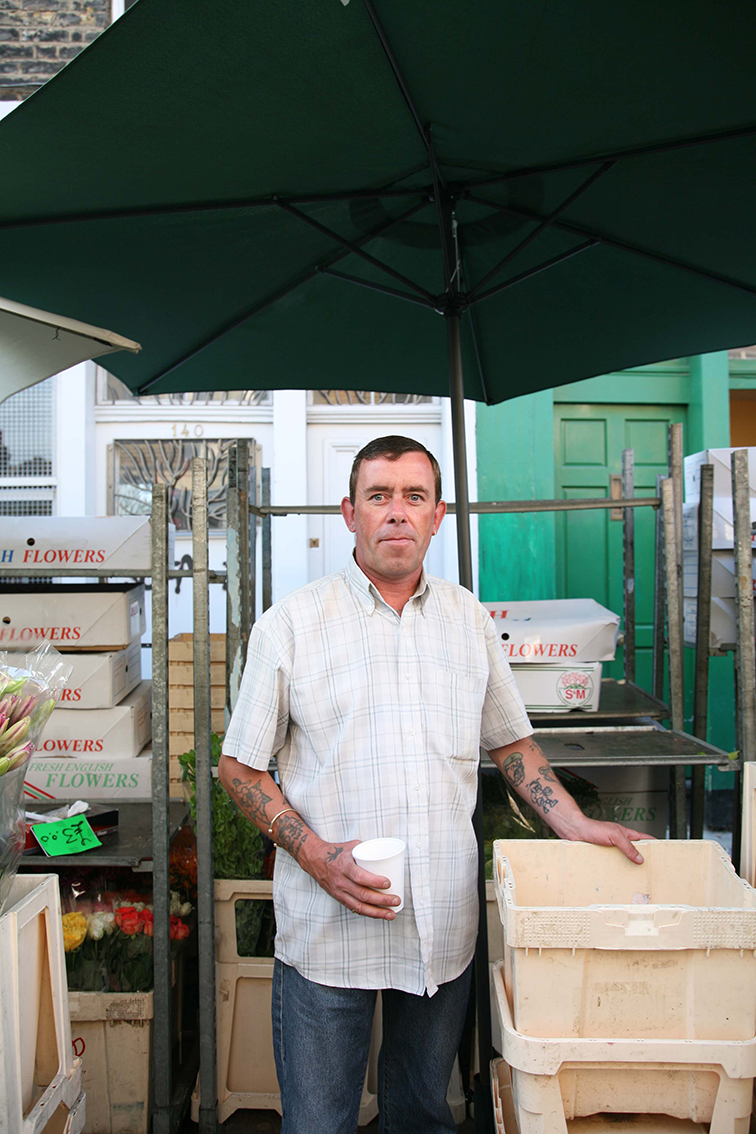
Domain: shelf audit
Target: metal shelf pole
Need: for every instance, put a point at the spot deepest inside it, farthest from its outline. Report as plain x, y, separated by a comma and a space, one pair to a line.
628, 562
703, 628
204, 789
660, 599
679, 805
237, 567
267, 547
745, 649
678, 824
162, 1116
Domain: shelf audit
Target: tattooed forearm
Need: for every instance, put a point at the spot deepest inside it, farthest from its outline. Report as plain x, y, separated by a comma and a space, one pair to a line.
291, 834
547, 773
251, 799
514, 769
334, 854
542, 796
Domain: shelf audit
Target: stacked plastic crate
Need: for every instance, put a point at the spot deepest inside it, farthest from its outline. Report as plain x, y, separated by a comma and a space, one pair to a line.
624, 990
40, 1078
95, 747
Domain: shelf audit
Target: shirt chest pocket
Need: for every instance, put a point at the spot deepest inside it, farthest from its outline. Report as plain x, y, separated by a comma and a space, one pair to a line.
453, 706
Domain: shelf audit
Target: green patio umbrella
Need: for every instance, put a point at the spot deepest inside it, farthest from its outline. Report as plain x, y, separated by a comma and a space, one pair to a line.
480, 199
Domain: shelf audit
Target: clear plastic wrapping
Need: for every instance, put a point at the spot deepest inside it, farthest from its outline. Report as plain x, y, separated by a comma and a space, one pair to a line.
31, 683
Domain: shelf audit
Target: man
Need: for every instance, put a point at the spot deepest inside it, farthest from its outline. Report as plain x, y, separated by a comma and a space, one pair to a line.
375, 687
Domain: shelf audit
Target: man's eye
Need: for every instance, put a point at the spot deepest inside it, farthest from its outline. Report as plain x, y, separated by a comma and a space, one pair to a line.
415, 496
378, 497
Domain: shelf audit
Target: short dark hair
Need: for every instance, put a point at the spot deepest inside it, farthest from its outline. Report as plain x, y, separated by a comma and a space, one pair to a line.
391, 448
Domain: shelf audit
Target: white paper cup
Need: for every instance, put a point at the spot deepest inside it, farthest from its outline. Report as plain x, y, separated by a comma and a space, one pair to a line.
384, 857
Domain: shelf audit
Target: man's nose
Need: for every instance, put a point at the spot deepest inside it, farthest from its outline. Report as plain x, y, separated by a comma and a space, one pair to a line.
397, 512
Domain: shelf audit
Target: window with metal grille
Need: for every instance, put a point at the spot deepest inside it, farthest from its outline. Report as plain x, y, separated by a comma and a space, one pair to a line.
140, 464
27, 480
111, 392
367, 398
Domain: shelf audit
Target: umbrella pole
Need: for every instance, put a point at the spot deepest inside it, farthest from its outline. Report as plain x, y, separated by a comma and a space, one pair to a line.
482, 1095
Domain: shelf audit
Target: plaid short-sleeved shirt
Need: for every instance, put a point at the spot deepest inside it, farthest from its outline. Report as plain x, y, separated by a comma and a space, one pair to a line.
377, 719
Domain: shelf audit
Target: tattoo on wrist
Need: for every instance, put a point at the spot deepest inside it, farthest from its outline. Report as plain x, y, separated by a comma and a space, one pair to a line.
547, 774
252, 800
291, 835
542, 796
514, 769
334, 854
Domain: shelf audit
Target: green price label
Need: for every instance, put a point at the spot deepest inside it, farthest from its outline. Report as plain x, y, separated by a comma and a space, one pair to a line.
65, 836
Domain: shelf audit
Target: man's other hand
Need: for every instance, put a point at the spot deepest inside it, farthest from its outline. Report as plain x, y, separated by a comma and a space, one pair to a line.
363, 893
605, 834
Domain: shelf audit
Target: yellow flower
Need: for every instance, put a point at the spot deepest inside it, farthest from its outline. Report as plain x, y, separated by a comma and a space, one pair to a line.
74, 930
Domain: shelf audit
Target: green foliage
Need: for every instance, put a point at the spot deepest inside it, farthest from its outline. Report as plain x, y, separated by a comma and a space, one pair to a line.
237, 843
507, 816
255, 927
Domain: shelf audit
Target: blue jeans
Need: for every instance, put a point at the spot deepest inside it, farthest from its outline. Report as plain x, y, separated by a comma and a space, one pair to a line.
321, 1037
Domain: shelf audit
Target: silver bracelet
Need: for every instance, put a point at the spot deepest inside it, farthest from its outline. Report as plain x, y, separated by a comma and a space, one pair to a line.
275, 817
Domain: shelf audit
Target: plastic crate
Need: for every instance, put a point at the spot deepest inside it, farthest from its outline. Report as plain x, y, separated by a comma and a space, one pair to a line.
555, 1081
748, 843
227, 893
505, 1120
598, 947
40, 1079
246, 1069
112, 1034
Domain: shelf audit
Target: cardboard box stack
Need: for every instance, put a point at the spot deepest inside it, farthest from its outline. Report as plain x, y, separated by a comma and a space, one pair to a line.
181, 697
723, 621
556, 649
94, 743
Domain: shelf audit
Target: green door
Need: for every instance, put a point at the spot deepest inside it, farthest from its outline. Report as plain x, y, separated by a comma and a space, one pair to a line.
588, 445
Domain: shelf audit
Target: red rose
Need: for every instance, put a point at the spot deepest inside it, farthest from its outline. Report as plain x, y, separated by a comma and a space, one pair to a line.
179, 929
129, 920
149, 927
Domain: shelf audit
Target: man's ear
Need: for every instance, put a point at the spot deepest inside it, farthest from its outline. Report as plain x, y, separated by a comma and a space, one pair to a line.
347, 511
438, 515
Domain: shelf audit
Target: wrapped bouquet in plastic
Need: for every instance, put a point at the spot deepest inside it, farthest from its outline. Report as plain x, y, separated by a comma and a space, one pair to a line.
31, 683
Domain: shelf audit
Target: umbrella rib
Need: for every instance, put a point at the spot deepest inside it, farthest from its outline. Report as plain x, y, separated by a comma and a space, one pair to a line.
623, 246
421, 129
271, 299
379, 287
212, 206
526, 275
545, 224
617, 155
356, 249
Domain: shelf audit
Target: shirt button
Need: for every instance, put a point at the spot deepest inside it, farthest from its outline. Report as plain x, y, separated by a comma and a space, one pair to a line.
412, 732
417, 787
407, 677
419, 845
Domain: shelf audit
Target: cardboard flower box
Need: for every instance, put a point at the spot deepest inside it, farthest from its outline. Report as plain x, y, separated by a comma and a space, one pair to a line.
121, 542
72, 616
555, 631
117, 733
101, 681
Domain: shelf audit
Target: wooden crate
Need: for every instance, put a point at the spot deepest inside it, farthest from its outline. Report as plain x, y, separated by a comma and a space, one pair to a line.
181, 649
181, 693
181, 697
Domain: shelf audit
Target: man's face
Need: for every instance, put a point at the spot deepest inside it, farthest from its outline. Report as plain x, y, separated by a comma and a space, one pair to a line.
394, 515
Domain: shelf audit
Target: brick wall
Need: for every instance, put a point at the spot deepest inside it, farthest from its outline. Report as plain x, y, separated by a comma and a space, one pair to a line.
38, 37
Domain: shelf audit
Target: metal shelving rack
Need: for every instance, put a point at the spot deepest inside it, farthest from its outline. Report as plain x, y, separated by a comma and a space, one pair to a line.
158, 823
